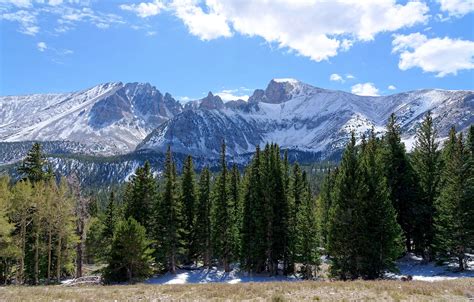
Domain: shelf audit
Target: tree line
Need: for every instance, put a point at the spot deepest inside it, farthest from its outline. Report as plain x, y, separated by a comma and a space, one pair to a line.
377, 204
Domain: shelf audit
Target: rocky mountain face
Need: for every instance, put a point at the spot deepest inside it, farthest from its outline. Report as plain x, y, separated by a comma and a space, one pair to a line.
301, 117
108, 119
136, 122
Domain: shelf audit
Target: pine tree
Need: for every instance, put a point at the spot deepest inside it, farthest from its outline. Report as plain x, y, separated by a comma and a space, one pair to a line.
34, 166
222, 216
235, 210
109, 221
344, 221
130, 257
280, 210
401, 180
324, 203
188, 200
253, 225
380, 242
295, 197
306, 235
141, 195
203, 221
170, 222
426, 164
453, 234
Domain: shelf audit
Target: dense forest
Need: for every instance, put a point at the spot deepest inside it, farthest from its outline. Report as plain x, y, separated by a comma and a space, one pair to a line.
378, 203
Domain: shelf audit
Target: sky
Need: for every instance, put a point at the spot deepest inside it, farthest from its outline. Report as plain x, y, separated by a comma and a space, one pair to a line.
231, 47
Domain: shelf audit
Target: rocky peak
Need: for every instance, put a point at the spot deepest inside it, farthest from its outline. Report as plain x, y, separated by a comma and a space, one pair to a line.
277, 91
211, 102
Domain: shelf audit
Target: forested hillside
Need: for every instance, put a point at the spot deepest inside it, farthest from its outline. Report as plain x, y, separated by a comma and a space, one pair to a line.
270, 217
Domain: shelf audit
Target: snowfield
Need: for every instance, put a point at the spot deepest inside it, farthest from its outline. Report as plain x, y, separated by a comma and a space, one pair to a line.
408, 265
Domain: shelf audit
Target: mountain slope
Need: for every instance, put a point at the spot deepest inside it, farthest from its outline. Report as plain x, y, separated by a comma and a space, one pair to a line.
109, 119
302, 117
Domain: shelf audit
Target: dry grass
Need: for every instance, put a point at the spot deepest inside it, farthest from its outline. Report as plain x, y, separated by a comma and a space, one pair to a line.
452, 290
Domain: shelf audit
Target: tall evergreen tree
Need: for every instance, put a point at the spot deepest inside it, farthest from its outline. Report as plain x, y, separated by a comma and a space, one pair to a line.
380, 243
222, 216
453, 227
203, 221
188, 200
401, 180
253, 225
130, 257
344, 222
109, 219
170, 227
34, 167
324, 203
235, 204
306, 235
141, 195
8, 251
426, 163
295, 197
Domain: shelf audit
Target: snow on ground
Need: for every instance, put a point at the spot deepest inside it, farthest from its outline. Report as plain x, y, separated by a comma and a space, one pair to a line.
412, 265
408, 265
213, 275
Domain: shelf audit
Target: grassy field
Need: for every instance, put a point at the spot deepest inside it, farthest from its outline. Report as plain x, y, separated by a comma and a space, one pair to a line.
452, 290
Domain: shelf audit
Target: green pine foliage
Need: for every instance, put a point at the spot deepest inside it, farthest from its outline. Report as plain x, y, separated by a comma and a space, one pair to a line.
34, 167
401, 179
203, 219
426, 163
169, 229
454, 208
130, 256
141, 195
188, 200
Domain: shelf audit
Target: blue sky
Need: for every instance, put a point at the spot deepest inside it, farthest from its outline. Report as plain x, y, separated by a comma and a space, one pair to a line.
230, 47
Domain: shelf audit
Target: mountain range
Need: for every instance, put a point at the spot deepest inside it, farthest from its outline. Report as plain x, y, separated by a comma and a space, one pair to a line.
116, 119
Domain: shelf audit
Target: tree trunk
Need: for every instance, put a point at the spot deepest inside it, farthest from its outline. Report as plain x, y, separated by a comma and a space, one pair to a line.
49, 255
37, 258
58, 262
21, 271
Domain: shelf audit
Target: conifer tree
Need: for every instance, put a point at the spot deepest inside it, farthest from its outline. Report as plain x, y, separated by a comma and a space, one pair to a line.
188, 200
453, 227
295, 197
109, 222
426, 163
222, 216
380, 242
402, 183
170, 222
203, 221
253, 225
235, 210
344, 222
34, 166
130, 256
306, 235
141, 195
324, 203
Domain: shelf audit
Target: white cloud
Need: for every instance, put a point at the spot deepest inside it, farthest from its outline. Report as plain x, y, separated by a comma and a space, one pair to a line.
336, 78
27, 21
311, 28
206, 26
442, 56
233, 94
350, 76
391, 87
315, 29
42, 46
457, 8
144, 9
67, 13
366, 89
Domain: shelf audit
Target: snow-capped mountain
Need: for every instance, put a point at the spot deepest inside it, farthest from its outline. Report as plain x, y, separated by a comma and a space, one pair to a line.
301, 117
116, 118
108, 119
